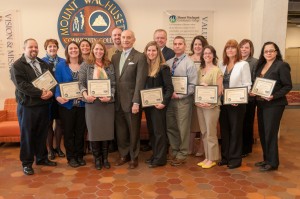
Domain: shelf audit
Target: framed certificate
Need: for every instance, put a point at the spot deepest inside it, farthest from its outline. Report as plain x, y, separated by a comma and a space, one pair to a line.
151, 97
236, 95
70, 90
45, 82
206, 94
263, 87
99, 88
180, 85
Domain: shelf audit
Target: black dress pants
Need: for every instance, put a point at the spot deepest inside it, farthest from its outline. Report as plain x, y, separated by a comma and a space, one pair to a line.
156, 123
268, 125
73, 121
34, 122
231, 125
248, 127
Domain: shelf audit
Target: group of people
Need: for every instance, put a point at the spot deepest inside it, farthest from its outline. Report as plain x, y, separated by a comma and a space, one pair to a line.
169, 122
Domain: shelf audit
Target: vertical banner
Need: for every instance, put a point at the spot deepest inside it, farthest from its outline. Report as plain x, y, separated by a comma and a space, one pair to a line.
188, 24
10, 50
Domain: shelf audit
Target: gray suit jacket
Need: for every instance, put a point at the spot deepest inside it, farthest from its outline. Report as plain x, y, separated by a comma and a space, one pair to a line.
131, 80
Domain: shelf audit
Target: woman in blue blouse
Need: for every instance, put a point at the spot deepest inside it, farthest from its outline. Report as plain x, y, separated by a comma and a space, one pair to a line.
72, 112
51, 47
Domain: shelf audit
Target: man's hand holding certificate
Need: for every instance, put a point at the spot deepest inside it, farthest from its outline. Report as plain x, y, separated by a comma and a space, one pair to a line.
180, 85
45, 82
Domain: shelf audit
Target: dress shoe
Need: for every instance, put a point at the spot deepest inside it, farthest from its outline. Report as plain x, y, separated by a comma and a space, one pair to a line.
148, 161
133, 164
146, 148
98, 163
208, 166
28, 170
267, 167
170, 158
178, 162
73, 163
155, 165
106, 164
51, 154
233, 166
59, 152
222, 163
122, 161
81, 161
47, 163
260, 164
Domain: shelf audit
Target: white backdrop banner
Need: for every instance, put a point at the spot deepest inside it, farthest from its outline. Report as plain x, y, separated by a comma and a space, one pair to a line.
188, 24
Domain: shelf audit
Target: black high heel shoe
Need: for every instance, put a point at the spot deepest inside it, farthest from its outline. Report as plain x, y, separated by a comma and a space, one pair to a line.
59, 152
51, 154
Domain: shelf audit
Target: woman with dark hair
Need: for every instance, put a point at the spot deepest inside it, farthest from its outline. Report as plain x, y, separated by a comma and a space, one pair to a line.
159, 75
236, 74
208, 114
247, 51
99, 111
51, 47
85, 47
270, 109
71, 111
196, 143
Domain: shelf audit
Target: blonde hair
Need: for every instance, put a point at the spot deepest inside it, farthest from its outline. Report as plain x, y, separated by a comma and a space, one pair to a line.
154, 67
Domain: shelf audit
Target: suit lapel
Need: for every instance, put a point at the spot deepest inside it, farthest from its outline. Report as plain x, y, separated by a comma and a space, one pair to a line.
127, 61
117, 68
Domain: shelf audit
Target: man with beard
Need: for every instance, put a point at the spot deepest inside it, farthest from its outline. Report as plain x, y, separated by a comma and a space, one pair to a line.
116, 38
33, 107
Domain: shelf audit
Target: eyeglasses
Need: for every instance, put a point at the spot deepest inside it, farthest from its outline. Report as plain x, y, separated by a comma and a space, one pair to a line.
269, 51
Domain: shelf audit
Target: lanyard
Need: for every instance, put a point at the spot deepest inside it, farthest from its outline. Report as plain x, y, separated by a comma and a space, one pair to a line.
176, 63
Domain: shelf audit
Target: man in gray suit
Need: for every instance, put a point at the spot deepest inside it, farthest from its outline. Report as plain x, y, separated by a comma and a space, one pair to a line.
131, 73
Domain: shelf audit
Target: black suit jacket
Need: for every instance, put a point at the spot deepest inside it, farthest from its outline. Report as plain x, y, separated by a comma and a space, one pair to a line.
168, 53
281, 72
131, 80
22, 74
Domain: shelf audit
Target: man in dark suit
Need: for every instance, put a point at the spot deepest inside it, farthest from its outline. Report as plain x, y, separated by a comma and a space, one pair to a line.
33, 107
160, 36
131, 73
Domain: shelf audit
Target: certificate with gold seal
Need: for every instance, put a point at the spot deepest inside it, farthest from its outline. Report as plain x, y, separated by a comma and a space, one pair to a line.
206, 94
263, 87
151, 97
238, 95
45, 82
70, 90
99, 87
180, 84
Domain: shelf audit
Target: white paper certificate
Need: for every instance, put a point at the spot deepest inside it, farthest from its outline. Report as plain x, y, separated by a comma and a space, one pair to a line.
151, 97
70, 90
206, 94
45, 82
180, 85
236, 95
263, 87
99, 88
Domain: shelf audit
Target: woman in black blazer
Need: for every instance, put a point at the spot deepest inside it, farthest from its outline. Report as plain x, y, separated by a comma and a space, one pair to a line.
270, 109
159, 75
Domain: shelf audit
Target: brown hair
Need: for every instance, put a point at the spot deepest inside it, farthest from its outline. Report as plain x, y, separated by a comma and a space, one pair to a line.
80, 59
243, 42
48, 41
215, 59
92, 59
179, 37
231, 43
204, 42
154, 68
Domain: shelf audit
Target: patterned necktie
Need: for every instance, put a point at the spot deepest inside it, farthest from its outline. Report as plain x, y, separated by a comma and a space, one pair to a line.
122, 61
36, 70
174, 65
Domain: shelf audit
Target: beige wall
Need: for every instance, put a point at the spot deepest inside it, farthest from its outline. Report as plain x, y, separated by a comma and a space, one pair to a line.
293, 37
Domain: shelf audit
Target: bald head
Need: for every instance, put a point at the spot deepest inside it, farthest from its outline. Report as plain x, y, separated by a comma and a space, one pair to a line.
127, 39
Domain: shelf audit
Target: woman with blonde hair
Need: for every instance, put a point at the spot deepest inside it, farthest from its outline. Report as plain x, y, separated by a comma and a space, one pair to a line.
159, 75
99, 110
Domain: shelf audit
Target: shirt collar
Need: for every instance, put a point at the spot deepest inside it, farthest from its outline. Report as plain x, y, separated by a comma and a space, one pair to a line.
181, 56
127, 51
28, 60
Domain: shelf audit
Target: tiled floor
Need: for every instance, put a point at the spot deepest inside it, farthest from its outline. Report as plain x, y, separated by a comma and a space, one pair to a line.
188, 181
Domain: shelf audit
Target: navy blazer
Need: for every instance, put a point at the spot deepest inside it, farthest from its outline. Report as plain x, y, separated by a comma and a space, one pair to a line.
281, 72
168, 53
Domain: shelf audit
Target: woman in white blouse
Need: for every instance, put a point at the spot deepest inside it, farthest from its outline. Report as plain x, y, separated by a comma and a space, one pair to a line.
236, 74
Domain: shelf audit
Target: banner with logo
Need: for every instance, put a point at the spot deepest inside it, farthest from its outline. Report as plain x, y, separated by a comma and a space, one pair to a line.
188, 24
89, 19
10, 48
